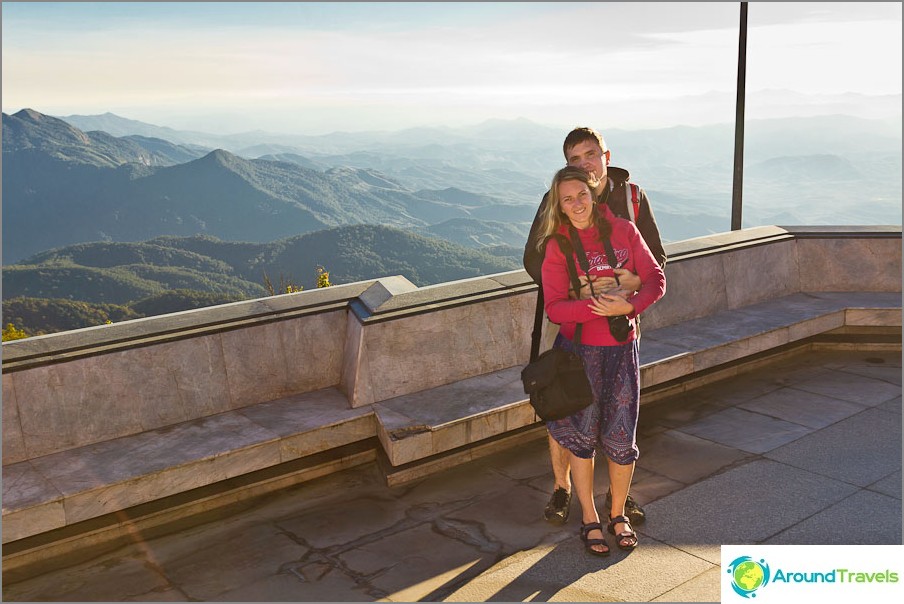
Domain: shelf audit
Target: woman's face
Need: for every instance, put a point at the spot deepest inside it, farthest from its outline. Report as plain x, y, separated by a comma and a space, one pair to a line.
576, 202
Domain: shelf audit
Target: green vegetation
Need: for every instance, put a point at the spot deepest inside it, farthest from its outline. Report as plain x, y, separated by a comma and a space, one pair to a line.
285, 285
93, 283
11, 333
180, 299
323, 277
40, 316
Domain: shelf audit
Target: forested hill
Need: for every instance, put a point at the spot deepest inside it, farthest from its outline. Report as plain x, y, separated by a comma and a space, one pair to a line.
138, 279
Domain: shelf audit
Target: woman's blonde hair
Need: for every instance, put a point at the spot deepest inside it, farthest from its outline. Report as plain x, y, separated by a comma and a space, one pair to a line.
553, 217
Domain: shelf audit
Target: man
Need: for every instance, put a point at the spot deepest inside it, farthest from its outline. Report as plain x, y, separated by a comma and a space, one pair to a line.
585, 148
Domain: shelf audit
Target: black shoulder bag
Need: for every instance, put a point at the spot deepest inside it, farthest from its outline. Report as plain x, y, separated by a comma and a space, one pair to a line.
556, 380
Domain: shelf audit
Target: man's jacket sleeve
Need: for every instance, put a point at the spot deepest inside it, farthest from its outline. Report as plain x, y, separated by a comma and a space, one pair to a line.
649, 230
533, 258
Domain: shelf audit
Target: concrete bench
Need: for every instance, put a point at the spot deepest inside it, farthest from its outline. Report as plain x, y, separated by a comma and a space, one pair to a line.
71, 486
435, 421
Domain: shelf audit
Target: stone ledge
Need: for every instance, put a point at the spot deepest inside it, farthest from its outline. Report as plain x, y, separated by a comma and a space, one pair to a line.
71, 486
62, 489
425, 423
60, 548
103, 339
431, 422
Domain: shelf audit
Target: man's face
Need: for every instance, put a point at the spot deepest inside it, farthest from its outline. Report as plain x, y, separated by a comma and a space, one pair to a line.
589, 157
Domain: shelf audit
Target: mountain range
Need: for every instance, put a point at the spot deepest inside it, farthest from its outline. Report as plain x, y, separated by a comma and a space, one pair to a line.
65, 186
134, 279
208, 215
847, 169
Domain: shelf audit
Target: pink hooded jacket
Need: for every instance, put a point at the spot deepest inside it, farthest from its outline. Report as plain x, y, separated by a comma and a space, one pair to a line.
631, 252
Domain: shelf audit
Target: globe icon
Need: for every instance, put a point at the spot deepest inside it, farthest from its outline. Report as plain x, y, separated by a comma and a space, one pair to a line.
748, 575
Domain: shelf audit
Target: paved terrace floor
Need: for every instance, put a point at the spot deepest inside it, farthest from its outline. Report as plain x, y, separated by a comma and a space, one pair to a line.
804, 451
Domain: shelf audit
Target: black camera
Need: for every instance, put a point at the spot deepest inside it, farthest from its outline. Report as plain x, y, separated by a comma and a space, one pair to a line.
620, 327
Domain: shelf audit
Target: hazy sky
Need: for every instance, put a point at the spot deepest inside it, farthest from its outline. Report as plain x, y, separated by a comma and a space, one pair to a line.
313, 67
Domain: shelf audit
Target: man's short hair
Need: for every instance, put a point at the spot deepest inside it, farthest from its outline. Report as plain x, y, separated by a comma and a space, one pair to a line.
580, 135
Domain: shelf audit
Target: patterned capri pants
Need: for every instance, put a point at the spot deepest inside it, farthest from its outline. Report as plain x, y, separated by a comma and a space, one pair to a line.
610, 422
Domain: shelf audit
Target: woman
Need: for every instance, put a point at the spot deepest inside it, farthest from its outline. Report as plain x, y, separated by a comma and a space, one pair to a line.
613, 367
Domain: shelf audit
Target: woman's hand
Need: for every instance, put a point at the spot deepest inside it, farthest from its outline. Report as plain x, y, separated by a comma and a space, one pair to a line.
600, 285
608, 305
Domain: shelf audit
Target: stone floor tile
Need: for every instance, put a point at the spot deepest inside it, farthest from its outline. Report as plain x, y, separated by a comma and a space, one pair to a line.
858, 450
491, 581
733, 507
800, 407
329, 585
740, 388
224, 564
705, 587
674, 414
650, 487
418, 555
344, 520
863, 391
524, 462
460, 484
880, 366
123, 577
564, 572
685, 458
890, 485
514, 519
864, 518
894, 405
751, 432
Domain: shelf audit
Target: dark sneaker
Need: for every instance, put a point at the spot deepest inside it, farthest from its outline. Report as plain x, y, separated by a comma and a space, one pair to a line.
633, 510
558, 507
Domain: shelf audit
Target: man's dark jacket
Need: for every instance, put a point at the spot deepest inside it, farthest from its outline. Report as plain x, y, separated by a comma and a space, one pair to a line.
618, 203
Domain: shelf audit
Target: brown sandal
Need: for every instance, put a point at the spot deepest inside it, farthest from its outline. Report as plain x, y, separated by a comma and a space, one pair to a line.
627, 539
589, 543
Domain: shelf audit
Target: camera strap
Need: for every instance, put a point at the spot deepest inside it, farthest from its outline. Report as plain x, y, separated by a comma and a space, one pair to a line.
582, 256
610, 257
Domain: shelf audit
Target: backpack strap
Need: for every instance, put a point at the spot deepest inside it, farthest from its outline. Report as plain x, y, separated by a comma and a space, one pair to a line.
634, 202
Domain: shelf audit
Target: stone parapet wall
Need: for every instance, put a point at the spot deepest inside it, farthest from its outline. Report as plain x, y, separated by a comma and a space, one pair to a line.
377, 340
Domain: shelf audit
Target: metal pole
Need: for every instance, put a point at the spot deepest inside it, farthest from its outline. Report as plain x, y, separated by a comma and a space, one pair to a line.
739, 124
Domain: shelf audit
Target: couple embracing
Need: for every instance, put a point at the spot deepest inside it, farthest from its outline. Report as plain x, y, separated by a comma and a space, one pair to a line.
595, 206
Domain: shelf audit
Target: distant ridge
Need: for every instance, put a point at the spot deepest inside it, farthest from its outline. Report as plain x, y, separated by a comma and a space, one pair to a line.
63, 186
141, 277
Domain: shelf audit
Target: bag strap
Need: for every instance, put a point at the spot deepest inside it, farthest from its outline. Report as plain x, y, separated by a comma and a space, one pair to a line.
565, 246
537, 333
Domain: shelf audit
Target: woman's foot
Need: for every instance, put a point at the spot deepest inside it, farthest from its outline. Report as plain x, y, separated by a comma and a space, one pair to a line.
625, 536
594, 539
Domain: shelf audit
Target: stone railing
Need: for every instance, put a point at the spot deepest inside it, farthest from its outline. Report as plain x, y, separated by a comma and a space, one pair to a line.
253, 379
